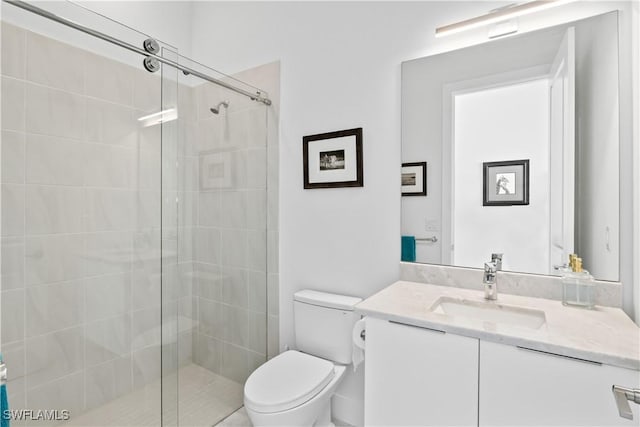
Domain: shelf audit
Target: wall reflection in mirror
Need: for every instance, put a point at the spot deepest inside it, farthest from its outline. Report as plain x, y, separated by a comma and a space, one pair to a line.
549, 97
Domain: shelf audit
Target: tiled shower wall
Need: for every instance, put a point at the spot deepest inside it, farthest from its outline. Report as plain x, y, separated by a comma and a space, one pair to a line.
80, 226
236, 226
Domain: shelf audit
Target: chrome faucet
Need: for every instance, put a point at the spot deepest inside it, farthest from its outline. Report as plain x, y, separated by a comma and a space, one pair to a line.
490, 281
497, 260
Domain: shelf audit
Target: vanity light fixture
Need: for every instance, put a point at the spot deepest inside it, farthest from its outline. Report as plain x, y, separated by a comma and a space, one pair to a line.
499, 15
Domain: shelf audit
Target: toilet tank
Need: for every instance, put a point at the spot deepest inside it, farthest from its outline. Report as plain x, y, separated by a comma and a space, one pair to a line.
323, 324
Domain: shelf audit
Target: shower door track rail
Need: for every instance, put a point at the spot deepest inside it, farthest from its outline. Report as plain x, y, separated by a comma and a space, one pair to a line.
257, 96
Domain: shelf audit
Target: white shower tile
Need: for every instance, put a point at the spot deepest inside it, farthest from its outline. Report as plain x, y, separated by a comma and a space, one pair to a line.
235, 362
146, 366
12, 157
147, 91
109, 210
54, 355
107, 339
207, 281
257, 168
210, 320
185, 349
209, 209
108, 166
108, 296
109, 80
257, 332
14, 357
13, 51
233, 206
147, 209
208, 352
273, 252
53, 161
234, 247
54, 258
51, 209
13, 209
256, 209
13, 104
235, 325
12, 314
108, 252
208, 241
54, 112
55, 64
257, 291
273, 294
12, 263
53, 307
257, 250
234, 287
110, 123
145, 288
64, 393
107, 381
145, 328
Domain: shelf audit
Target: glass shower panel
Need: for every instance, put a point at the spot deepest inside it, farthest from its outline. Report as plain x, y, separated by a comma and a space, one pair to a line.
221, 230
82, 260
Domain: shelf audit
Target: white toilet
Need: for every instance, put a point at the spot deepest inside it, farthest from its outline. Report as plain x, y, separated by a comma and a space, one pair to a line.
295, 387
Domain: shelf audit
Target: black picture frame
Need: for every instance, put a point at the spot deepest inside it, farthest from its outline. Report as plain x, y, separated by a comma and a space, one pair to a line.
505, 183
418, 171
342, 157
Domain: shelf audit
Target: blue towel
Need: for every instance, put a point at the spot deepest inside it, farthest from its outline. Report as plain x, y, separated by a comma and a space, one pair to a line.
4, 406
4, 401
408, 249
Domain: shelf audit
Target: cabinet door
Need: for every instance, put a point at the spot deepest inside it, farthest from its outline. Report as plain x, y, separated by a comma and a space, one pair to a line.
525, 387
419, 377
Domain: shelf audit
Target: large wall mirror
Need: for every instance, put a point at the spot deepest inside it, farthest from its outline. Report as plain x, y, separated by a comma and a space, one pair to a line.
547, 98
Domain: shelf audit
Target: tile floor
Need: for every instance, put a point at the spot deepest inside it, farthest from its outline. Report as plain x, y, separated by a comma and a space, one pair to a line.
205, 399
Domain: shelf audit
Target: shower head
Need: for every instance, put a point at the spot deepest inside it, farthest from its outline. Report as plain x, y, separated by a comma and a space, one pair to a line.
216, 109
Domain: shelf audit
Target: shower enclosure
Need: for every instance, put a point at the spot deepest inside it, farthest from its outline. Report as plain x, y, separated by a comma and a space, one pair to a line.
134, 226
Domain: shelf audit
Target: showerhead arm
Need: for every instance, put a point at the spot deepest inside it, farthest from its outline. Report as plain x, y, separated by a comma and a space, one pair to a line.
216, 109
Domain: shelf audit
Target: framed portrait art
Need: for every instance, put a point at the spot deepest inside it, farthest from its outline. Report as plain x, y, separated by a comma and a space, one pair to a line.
333, 159
414, 179
506, 183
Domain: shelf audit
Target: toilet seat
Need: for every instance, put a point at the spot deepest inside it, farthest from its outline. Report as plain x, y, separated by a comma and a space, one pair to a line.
286, 381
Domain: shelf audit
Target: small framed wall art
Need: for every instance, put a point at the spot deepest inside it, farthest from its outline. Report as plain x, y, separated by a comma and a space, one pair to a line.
506, 183
333, 159
414, 179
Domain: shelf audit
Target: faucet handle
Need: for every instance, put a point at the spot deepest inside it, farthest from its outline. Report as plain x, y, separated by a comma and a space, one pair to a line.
490, 267
496, 258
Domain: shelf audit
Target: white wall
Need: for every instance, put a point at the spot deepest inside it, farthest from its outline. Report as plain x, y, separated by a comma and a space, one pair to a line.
340, 69
505, 123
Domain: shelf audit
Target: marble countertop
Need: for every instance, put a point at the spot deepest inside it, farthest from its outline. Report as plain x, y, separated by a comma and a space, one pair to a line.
604, 334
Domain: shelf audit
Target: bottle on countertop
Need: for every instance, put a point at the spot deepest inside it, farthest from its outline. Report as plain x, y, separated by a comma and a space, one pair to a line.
578, 286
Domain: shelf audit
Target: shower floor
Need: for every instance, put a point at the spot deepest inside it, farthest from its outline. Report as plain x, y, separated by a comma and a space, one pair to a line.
205, 399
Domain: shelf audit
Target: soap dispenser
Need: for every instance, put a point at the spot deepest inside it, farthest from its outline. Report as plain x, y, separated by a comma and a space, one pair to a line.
578, 286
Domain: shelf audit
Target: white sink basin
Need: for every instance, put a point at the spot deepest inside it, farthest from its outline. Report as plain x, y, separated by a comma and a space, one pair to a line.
491, 312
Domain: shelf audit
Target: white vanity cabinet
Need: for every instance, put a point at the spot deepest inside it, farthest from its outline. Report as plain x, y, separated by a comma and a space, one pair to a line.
525, 387
419, 377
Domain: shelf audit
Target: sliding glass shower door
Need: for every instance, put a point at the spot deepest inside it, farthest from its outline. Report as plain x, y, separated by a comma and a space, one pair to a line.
133, 286
220, 292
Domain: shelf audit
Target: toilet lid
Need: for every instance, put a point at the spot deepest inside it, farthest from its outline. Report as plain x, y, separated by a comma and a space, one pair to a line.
286, 381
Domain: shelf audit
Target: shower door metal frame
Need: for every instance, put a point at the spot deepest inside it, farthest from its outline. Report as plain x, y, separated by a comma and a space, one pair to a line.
258, 96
